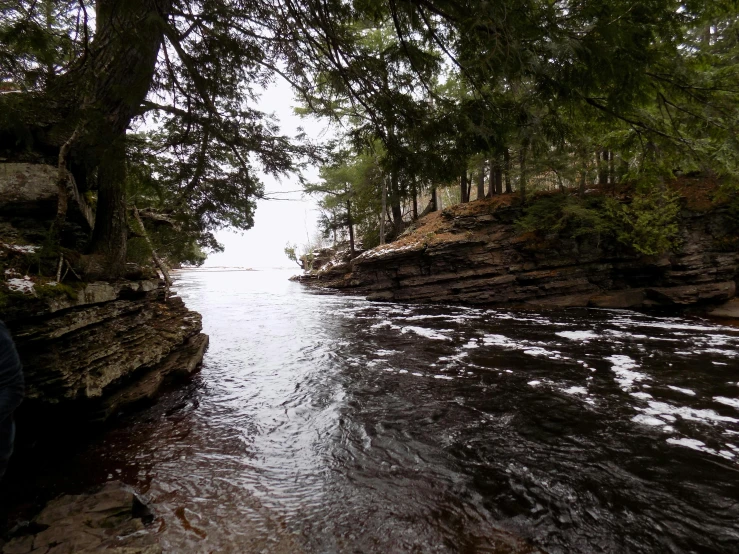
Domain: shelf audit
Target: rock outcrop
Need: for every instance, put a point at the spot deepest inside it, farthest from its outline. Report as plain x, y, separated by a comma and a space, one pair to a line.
472, 254
112, 520
111, 346
88, 348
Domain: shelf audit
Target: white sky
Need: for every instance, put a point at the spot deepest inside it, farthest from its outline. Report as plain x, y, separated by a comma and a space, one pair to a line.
276, 222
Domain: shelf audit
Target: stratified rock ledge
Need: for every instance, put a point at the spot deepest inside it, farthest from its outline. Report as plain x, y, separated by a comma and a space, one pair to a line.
472, 254
104, 350
112, 520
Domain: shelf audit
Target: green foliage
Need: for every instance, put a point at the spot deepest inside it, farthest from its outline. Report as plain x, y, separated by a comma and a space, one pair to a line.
291, 253
566, 215
649, 223
56, 290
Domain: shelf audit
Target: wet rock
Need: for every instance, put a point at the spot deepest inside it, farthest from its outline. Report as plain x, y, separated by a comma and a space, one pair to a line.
728, 309
631, 298
693, 294
108, 520
115, 344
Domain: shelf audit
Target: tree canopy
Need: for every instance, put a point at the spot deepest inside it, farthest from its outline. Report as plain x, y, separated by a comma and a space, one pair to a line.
152, 102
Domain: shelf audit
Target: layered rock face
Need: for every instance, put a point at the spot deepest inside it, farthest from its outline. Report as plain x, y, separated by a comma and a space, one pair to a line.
116, 346
88, 348
472, 254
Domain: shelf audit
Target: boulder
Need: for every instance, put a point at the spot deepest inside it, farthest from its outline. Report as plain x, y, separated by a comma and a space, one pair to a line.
113, 519
728, 309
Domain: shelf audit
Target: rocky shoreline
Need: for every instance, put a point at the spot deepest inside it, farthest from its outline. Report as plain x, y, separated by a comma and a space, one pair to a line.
472, 254
113, 519
90, 349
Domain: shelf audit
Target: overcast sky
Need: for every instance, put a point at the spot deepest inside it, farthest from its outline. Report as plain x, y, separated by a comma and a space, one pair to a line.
276, 222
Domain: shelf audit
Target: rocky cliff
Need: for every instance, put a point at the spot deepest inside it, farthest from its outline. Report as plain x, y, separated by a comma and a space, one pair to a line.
114, 345
88, 348
472, 254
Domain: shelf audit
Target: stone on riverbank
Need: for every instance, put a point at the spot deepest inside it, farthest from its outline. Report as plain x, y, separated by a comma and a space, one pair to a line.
112, 520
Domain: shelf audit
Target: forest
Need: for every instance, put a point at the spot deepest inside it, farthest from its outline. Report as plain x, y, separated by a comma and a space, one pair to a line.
147, 109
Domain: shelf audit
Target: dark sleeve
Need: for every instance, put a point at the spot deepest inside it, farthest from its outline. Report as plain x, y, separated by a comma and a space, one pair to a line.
11, 375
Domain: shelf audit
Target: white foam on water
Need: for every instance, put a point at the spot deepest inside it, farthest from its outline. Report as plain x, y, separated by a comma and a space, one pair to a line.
417, 374
385, 352
575, 390
622, 366
648, 420
642, 395
534, 383
577, 335
402, 371
472, 344
720, 363
695, 444
427, 333
500, 340
443, 377
729, 353
733, 402
537, 351
684, 391
692, 414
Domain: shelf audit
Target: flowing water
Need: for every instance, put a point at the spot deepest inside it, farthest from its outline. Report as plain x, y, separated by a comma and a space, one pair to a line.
326, 423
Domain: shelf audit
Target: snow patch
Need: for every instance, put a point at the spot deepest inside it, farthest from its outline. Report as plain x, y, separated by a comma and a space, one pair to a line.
24, 285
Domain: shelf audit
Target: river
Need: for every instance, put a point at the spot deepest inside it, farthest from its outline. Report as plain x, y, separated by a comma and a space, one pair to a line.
325, 423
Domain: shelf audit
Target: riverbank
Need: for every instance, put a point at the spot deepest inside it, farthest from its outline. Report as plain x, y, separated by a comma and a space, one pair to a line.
474, 254
113, 519
323, 422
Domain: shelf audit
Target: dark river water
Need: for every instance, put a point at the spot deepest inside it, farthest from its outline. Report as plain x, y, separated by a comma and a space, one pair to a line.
323, 423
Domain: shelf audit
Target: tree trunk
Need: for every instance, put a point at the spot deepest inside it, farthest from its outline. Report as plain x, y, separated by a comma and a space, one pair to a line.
350, 224
111, 231
603, 167
384, 209
498, 179
522, 177
481, 180
127, 41
612, 168
157, 260
463, 188
491, 187
507, 170
395, 207
582, 183
415, 201
434, 200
